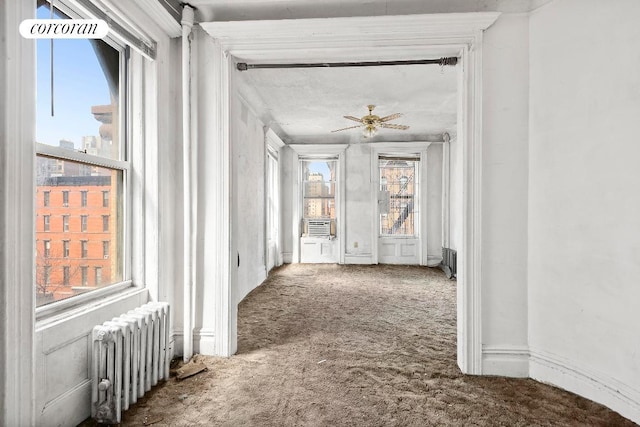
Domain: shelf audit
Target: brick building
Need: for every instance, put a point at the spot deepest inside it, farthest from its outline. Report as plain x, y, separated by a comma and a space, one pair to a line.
76, 235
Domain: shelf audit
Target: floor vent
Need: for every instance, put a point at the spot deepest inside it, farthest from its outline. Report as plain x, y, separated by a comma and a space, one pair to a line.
449, 262
129, 355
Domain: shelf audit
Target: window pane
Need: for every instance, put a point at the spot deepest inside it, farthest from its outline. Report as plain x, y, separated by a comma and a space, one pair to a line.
397, 178
319, 208
86, 95
76, 235
319, 189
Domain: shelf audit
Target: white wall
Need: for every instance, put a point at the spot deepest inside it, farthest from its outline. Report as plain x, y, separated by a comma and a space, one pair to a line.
434, 204
505, 86
455, 194
584, 233
287, 178
361, 202
247, 137
361, 206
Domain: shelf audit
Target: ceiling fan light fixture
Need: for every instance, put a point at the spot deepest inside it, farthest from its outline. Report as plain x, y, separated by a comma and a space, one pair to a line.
369, 131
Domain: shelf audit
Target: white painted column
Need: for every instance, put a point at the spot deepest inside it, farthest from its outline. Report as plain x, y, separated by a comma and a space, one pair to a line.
187, 24
446, 190
17, 236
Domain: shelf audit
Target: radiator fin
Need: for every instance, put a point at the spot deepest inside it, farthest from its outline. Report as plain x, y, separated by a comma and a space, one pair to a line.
450, 262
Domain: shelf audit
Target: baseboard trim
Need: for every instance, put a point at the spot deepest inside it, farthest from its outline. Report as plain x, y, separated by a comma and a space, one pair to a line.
366, 259
556, 370
203, 342
506, 361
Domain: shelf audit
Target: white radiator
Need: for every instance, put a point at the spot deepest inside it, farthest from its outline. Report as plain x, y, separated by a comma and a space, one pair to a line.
130, 354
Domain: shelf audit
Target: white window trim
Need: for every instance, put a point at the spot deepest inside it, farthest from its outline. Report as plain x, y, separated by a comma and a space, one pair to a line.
318, 152
273, 145
132, 91
401, 148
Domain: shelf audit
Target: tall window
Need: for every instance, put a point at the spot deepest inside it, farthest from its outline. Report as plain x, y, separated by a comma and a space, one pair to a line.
399, 188
105, 223
319, 197
81, 158
47, 248
105, 249
46, 195
85, 275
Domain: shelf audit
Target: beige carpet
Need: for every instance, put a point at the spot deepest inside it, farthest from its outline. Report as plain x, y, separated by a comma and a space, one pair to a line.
327, 345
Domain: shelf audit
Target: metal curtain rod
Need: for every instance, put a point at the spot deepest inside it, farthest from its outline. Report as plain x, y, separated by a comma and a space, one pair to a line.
243, 66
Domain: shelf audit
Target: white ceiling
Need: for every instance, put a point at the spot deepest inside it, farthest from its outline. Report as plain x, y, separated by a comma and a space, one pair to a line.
234, 10
305, 105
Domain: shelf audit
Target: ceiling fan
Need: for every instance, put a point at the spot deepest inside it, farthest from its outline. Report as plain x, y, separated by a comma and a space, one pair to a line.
371, 122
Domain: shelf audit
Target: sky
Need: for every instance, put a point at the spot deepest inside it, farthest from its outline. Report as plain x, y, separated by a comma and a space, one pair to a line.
320, 167
79, 83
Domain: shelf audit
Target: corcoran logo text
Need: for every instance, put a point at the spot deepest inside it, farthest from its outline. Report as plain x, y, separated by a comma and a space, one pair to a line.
64, 29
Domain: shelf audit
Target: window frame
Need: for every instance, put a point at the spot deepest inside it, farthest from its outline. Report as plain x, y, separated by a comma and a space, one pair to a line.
131, 71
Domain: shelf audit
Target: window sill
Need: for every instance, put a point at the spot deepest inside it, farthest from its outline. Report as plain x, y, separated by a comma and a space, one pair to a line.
85, 302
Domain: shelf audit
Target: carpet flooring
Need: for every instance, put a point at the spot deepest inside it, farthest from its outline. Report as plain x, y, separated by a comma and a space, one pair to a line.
330, 345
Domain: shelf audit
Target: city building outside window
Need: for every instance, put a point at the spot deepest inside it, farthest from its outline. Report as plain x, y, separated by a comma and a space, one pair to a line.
47, 248
398, 181
82, 160
318, 195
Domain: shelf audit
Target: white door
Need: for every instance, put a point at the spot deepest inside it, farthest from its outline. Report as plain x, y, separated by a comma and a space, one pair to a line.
398, 210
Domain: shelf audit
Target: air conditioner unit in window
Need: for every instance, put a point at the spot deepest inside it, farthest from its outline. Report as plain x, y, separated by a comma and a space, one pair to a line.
106, 257
318, 227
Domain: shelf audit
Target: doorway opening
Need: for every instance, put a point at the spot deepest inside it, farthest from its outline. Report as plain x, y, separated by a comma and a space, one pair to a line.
362, 39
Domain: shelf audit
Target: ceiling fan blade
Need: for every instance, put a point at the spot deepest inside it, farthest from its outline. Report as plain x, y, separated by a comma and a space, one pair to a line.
350, 127
355, 119
393, 126
391, 117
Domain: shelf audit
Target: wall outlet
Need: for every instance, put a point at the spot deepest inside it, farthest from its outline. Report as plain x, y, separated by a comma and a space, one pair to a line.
355, 244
